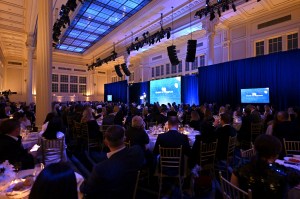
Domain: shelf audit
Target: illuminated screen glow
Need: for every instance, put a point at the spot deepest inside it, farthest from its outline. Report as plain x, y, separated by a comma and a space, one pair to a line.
94, 20
109, 98
165, 91
255, 95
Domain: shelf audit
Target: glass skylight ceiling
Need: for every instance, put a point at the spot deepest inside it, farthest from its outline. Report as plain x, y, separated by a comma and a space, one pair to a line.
96, 19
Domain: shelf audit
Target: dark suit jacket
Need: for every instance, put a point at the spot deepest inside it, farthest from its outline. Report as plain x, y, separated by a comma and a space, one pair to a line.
115, 177
255, 116
223, 134
14, 152
108, 119
137, 136
287, 130
173, 139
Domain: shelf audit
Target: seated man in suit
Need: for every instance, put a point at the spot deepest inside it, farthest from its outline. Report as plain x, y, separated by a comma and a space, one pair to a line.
115, 177
173, 139
222, 134
11, 147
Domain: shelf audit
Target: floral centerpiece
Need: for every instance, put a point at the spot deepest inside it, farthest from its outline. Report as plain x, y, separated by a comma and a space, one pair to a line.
7, 174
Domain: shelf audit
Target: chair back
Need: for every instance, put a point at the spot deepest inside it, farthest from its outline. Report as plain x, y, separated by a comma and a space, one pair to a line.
230, 191
77, 129
231, 147
170, 159
256, 129
246, 155
91, 143
136, 184
291, 147
127, 144
70, 123
208, 154
52, 150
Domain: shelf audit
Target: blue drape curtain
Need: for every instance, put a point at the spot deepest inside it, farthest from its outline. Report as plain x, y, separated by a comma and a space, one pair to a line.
137, 89
221, 83
118, 90
189, 89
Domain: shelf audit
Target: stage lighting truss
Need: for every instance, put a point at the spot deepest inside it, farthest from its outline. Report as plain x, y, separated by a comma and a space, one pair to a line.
99, 61
211, 9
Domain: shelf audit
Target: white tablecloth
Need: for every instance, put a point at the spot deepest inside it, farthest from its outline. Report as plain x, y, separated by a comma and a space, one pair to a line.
153, 137
30, 140
282, 162
37, 169
295, 192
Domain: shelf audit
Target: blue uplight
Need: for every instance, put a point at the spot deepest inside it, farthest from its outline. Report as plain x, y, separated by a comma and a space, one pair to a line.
95, 19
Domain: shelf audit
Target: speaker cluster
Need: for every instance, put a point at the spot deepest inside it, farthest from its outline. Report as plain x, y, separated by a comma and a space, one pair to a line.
118, 70
191, 51
173, 55
124, 68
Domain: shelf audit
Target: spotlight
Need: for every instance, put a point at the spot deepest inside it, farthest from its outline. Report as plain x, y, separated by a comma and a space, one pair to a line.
233, 7
168, 34
212, 16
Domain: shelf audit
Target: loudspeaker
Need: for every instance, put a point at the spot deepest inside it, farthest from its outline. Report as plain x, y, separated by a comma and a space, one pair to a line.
118, 70
125, 69
173, 55
191, 51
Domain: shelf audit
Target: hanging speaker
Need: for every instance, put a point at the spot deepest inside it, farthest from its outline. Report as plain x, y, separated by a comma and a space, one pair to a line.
173, 55
118, 70
125, 69
191, 51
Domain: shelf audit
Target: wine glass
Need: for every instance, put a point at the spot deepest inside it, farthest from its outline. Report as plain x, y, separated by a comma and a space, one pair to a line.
17, 166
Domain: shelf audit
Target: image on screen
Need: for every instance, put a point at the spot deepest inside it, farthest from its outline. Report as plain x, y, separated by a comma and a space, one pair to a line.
166, 90
255, 95
109, 98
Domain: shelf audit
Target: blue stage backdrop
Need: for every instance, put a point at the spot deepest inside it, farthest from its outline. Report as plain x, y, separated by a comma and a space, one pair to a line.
189, 91
118, 90
137, 89
222, 83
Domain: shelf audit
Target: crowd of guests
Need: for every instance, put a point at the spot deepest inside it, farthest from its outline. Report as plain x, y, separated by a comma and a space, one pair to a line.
115, 174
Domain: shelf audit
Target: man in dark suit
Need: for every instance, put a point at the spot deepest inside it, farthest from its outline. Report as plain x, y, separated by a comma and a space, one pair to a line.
223, 133
172, 138
11, 148
114, 177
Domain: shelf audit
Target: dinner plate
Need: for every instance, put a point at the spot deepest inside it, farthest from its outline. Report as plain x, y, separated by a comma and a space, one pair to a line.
294, 160
10, 193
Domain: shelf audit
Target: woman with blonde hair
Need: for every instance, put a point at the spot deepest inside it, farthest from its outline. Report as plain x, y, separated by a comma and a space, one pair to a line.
93, 127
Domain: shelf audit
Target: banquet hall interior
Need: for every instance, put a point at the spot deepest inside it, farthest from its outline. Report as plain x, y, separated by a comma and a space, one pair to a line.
56, 54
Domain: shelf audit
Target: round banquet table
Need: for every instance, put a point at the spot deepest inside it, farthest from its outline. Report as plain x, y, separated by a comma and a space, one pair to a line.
153, 137
36, 170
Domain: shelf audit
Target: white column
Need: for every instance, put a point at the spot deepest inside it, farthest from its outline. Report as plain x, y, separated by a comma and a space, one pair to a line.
211, 48
30, 49
44, 61
226, 46
127, 61
210, 27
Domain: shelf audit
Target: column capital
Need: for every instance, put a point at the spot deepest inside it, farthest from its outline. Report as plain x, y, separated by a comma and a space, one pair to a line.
30, 41
210, 26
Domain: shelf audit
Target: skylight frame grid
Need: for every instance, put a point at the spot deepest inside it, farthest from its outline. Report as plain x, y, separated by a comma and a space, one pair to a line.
87, 23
